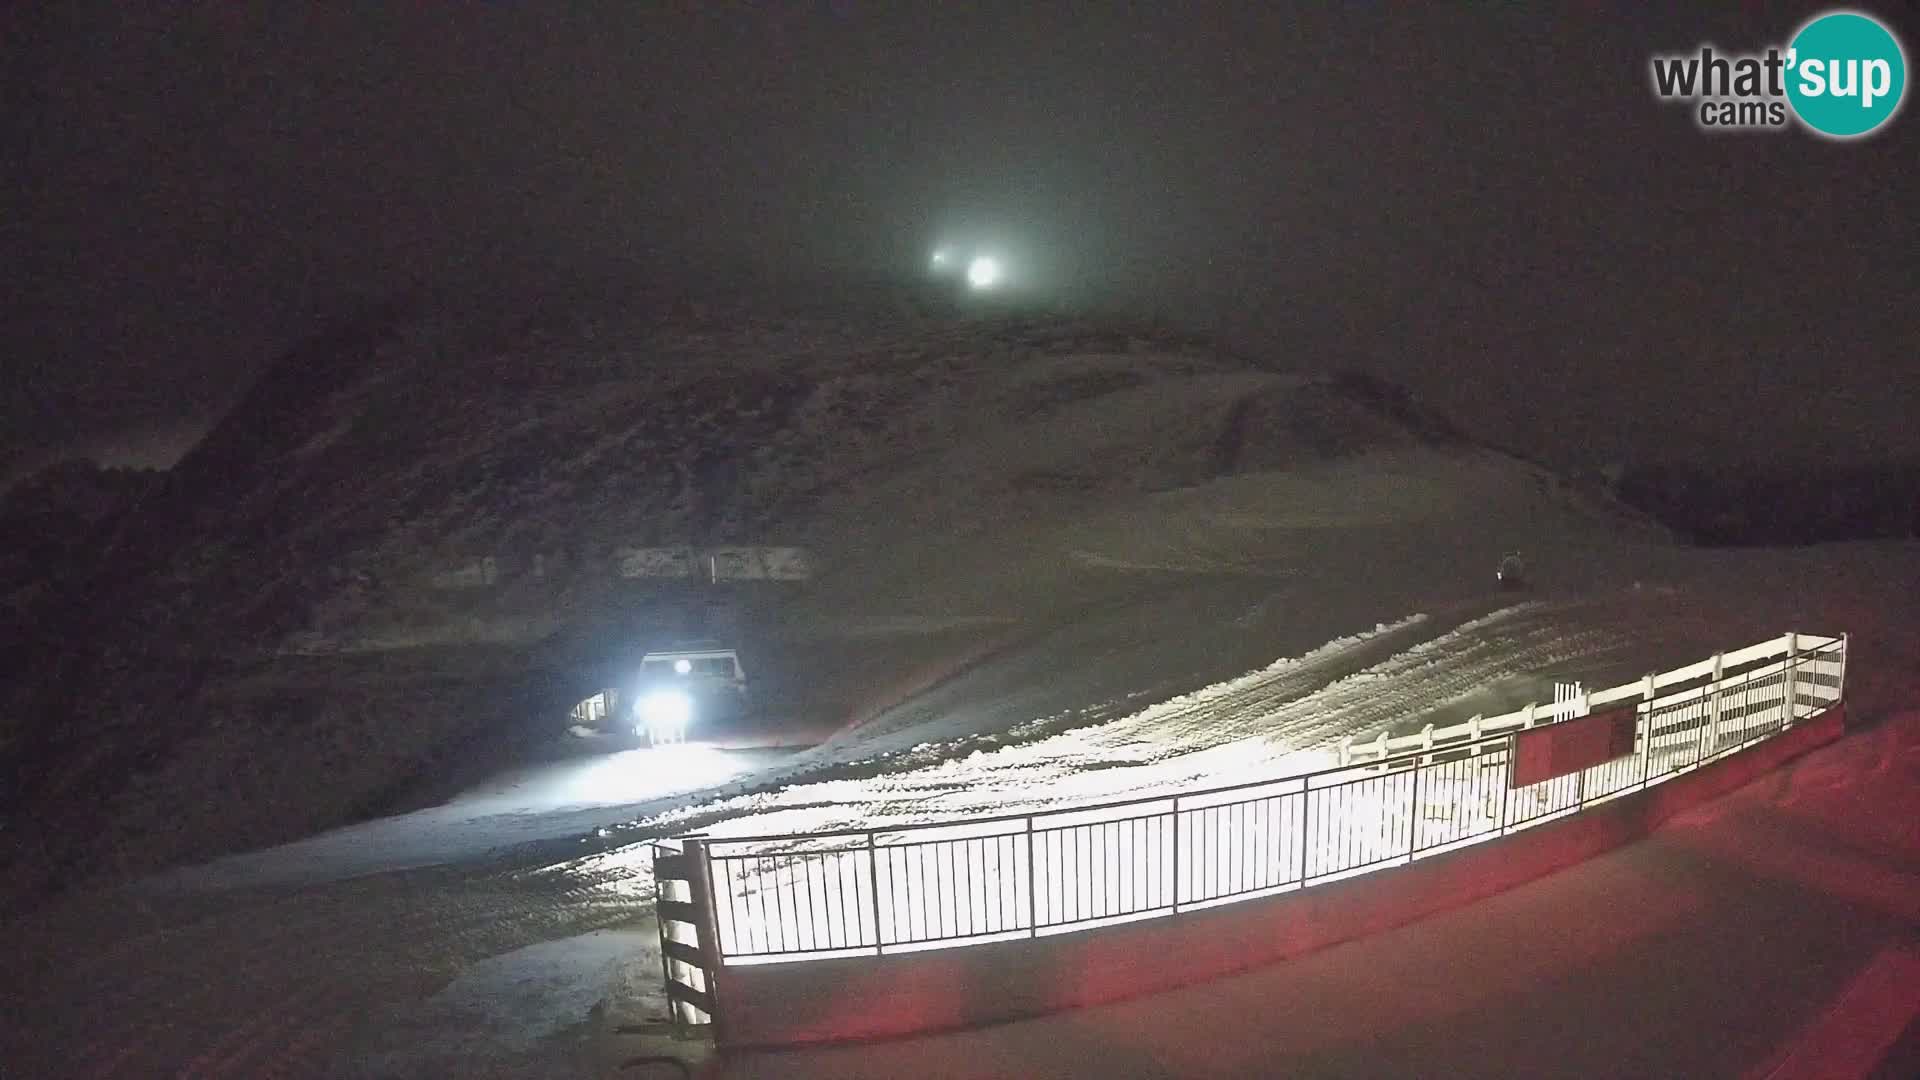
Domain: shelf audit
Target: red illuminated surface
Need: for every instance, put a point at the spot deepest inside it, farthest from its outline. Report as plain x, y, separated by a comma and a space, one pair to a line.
1749, 936
1850, 1037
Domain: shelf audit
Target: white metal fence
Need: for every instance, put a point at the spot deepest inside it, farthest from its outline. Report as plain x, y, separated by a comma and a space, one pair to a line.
1392, 800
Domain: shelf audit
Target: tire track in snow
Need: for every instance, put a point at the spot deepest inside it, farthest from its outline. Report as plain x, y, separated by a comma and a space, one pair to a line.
1446, 668
1283, 679
1239, 730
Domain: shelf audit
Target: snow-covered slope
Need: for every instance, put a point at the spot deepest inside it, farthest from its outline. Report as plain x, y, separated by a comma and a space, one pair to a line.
1013, 516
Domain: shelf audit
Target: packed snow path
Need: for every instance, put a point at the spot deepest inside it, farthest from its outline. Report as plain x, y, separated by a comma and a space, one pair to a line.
1266, 723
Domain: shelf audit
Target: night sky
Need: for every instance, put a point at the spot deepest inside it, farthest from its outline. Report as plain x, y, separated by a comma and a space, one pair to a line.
1485, 203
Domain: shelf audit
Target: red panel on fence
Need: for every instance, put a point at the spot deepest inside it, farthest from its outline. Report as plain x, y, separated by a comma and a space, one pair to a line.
1571, 745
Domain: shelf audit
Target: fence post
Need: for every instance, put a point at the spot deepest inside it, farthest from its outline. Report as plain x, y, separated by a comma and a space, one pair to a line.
1382, 750
1413, 805
675, 1009
1646, 729
700, 878
1306, 808
1713, 708
1506, 782
1582, 703
1176, 853
1033, 886
1840, 691
1426, 740
1526, 716
1787, 676
1346, 750
873, 888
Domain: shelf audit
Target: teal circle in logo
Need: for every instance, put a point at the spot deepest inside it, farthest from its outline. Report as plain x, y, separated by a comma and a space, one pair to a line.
1846, 74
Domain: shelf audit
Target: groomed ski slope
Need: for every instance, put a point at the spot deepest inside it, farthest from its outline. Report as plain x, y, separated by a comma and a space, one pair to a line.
1285, 717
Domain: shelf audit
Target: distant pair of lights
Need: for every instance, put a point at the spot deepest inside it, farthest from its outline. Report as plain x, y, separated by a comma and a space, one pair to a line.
983, 271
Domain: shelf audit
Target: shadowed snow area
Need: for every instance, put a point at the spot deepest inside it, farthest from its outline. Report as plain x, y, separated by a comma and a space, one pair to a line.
580, 793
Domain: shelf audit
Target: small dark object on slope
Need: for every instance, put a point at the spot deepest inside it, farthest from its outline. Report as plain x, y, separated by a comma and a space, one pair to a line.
1512, 573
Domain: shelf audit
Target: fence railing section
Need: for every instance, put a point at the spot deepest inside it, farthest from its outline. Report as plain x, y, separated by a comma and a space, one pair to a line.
1394, 800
